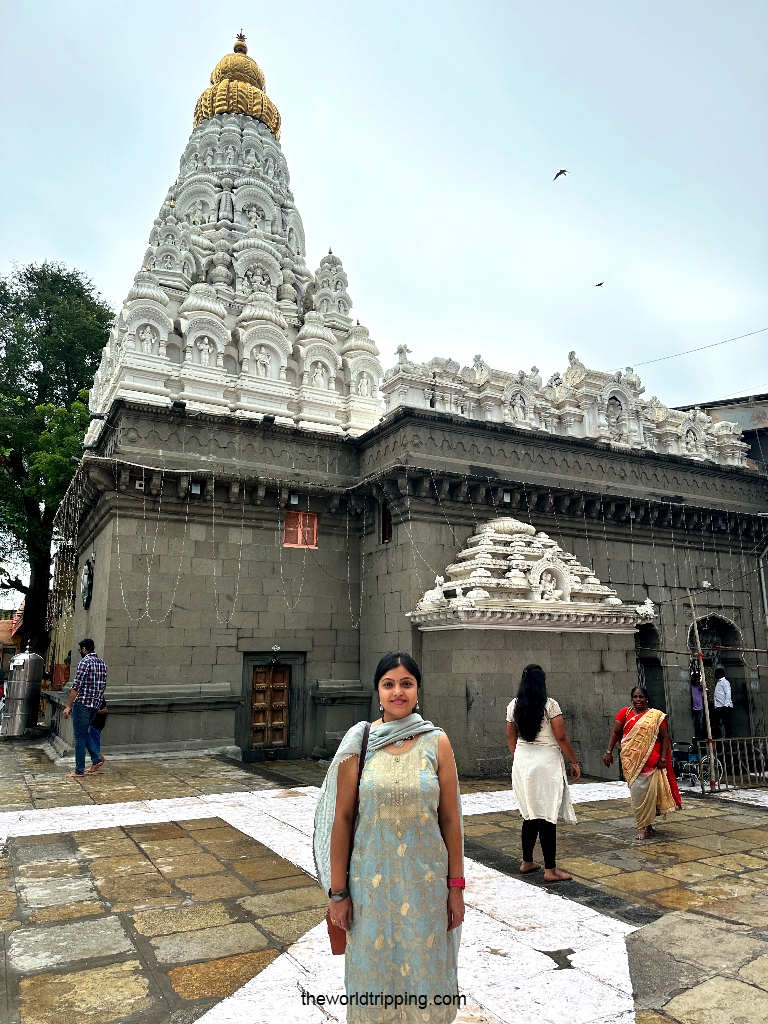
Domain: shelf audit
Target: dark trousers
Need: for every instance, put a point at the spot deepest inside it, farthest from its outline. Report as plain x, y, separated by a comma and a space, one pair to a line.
698, 724
547, 835
724, 722
81, 724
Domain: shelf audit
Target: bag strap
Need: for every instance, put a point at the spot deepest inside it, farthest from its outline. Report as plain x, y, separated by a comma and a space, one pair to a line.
361, 761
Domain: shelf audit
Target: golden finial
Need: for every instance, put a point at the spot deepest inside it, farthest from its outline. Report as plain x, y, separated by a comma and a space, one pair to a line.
237, 87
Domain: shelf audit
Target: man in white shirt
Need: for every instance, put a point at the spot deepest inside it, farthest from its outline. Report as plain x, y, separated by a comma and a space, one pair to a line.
723, 703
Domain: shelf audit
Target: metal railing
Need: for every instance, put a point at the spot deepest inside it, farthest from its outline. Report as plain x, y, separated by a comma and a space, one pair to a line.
740, 762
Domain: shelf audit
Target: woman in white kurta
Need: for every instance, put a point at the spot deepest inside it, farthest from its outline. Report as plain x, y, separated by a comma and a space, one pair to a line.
536, 736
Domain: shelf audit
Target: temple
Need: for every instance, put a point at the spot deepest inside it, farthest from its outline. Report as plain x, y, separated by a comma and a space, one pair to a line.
261, 511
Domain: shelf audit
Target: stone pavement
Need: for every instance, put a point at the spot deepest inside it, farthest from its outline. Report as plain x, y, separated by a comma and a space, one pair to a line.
700, 887
193, 898
32, 778
147, 919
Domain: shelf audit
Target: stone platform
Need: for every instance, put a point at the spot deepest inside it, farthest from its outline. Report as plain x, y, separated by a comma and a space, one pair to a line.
203, 905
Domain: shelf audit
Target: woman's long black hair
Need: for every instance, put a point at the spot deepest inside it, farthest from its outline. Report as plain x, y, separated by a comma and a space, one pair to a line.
531, 701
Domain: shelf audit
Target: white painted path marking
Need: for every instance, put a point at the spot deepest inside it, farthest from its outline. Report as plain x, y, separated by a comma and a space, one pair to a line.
510, 925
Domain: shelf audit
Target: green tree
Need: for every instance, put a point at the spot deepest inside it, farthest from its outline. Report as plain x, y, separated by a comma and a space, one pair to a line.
53, 326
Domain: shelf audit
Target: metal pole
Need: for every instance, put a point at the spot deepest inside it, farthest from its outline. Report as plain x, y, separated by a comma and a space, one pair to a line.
710, 741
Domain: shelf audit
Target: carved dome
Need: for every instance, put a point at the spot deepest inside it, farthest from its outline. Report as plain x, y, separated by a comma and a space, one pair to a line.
237, 87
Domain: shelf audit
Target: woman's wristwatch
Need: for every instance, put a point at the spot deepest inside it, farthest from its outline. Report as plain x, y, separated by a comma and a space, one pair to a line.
456, 883
337, 897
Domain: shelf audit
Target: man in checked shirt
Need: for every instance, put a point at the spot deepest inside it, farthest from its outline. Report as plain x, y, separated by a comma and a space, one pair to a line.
85, 699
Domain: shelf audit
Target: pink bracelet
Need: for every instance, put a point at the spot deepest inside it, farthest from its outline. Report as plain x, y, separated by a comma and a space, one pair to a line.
457, 883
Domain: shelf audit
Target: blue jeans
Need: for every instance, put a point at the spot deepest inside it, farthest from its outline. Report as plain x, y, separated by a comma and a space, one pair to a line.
81, 724
95, 735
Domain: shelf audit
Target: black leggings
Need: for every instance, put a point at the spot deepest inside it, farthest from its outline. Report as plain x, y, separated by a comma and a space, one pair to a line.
547, 833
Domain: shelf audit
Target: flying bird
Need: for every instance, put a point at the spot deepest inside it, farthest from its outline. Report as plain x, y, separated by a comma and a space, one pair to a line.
599, 284
561, 171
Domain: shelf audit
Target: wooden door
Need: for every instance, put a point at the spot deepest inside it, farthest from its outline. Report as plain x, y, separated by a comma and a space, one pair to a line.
269, 706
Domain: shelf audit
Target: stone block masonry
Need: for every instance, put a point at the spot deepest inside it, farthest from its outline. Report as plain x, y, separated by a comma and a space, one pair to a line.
177, 649
470, 676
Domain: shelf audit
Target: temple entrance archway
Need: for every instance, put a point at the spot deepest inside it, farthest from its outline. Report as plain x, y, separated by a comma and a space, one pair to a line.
650, 671
715, 633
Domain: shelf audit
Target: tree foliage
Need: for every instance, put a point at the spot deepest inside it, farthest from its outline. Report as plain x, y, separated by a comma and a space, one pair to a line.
53, 326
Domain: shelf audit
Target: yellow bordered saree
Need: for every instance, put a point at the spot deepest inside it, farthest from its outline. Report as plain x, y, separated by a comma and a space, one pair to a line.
651, 792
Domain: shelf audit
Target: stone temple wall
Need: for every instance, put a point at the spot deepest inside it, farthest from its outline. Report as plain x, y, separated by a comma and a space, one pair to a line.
473, 674
178, 681
648, 525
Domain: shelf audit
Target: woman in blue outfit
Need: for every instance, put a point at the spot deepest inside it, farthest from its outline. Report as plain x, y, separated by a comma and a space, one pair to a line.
399, 896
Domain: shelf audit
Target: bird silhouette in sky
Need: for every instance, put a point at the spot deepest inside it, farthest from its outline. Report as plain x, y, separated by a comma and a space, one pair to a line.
599, 284
561, 171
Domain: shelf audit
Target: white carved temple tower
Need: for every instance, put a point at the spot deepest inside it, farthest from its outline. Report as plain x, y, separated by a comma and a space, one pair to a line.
224, 314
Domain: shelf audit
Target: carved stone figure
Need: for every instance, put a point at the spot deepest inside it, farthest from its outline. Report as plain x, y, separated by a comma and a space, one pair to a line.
229, 155
364, 385
197, 213
269, 165
691, 444
169, 239
168, 261
435, 597
258, 278
339, 286
147, 337
318, 377
548, 587
647, 610
402, 353
517, 407
205, 346
324, 306
263, 363
253, 213
250, 159
613, 416
193, 164
210, 158
343, 307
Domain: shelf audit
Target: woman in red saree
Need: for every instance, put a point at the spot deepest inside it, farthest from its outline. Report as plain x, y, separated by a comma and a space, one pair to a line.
646, 760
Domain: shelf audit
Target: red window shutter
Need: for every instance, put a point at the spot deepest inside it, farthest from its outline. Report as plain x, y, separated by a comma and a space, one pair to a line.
291, 535
308, 529
300, 530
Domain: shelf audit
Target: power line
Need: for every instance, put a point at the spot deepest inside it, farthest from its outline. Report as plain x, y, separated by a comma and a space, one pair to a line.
741, 393
701, 348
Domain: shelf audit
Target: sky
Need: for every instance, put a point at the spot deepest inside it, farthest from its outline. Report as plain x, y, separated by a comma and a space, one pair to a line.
422, 139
